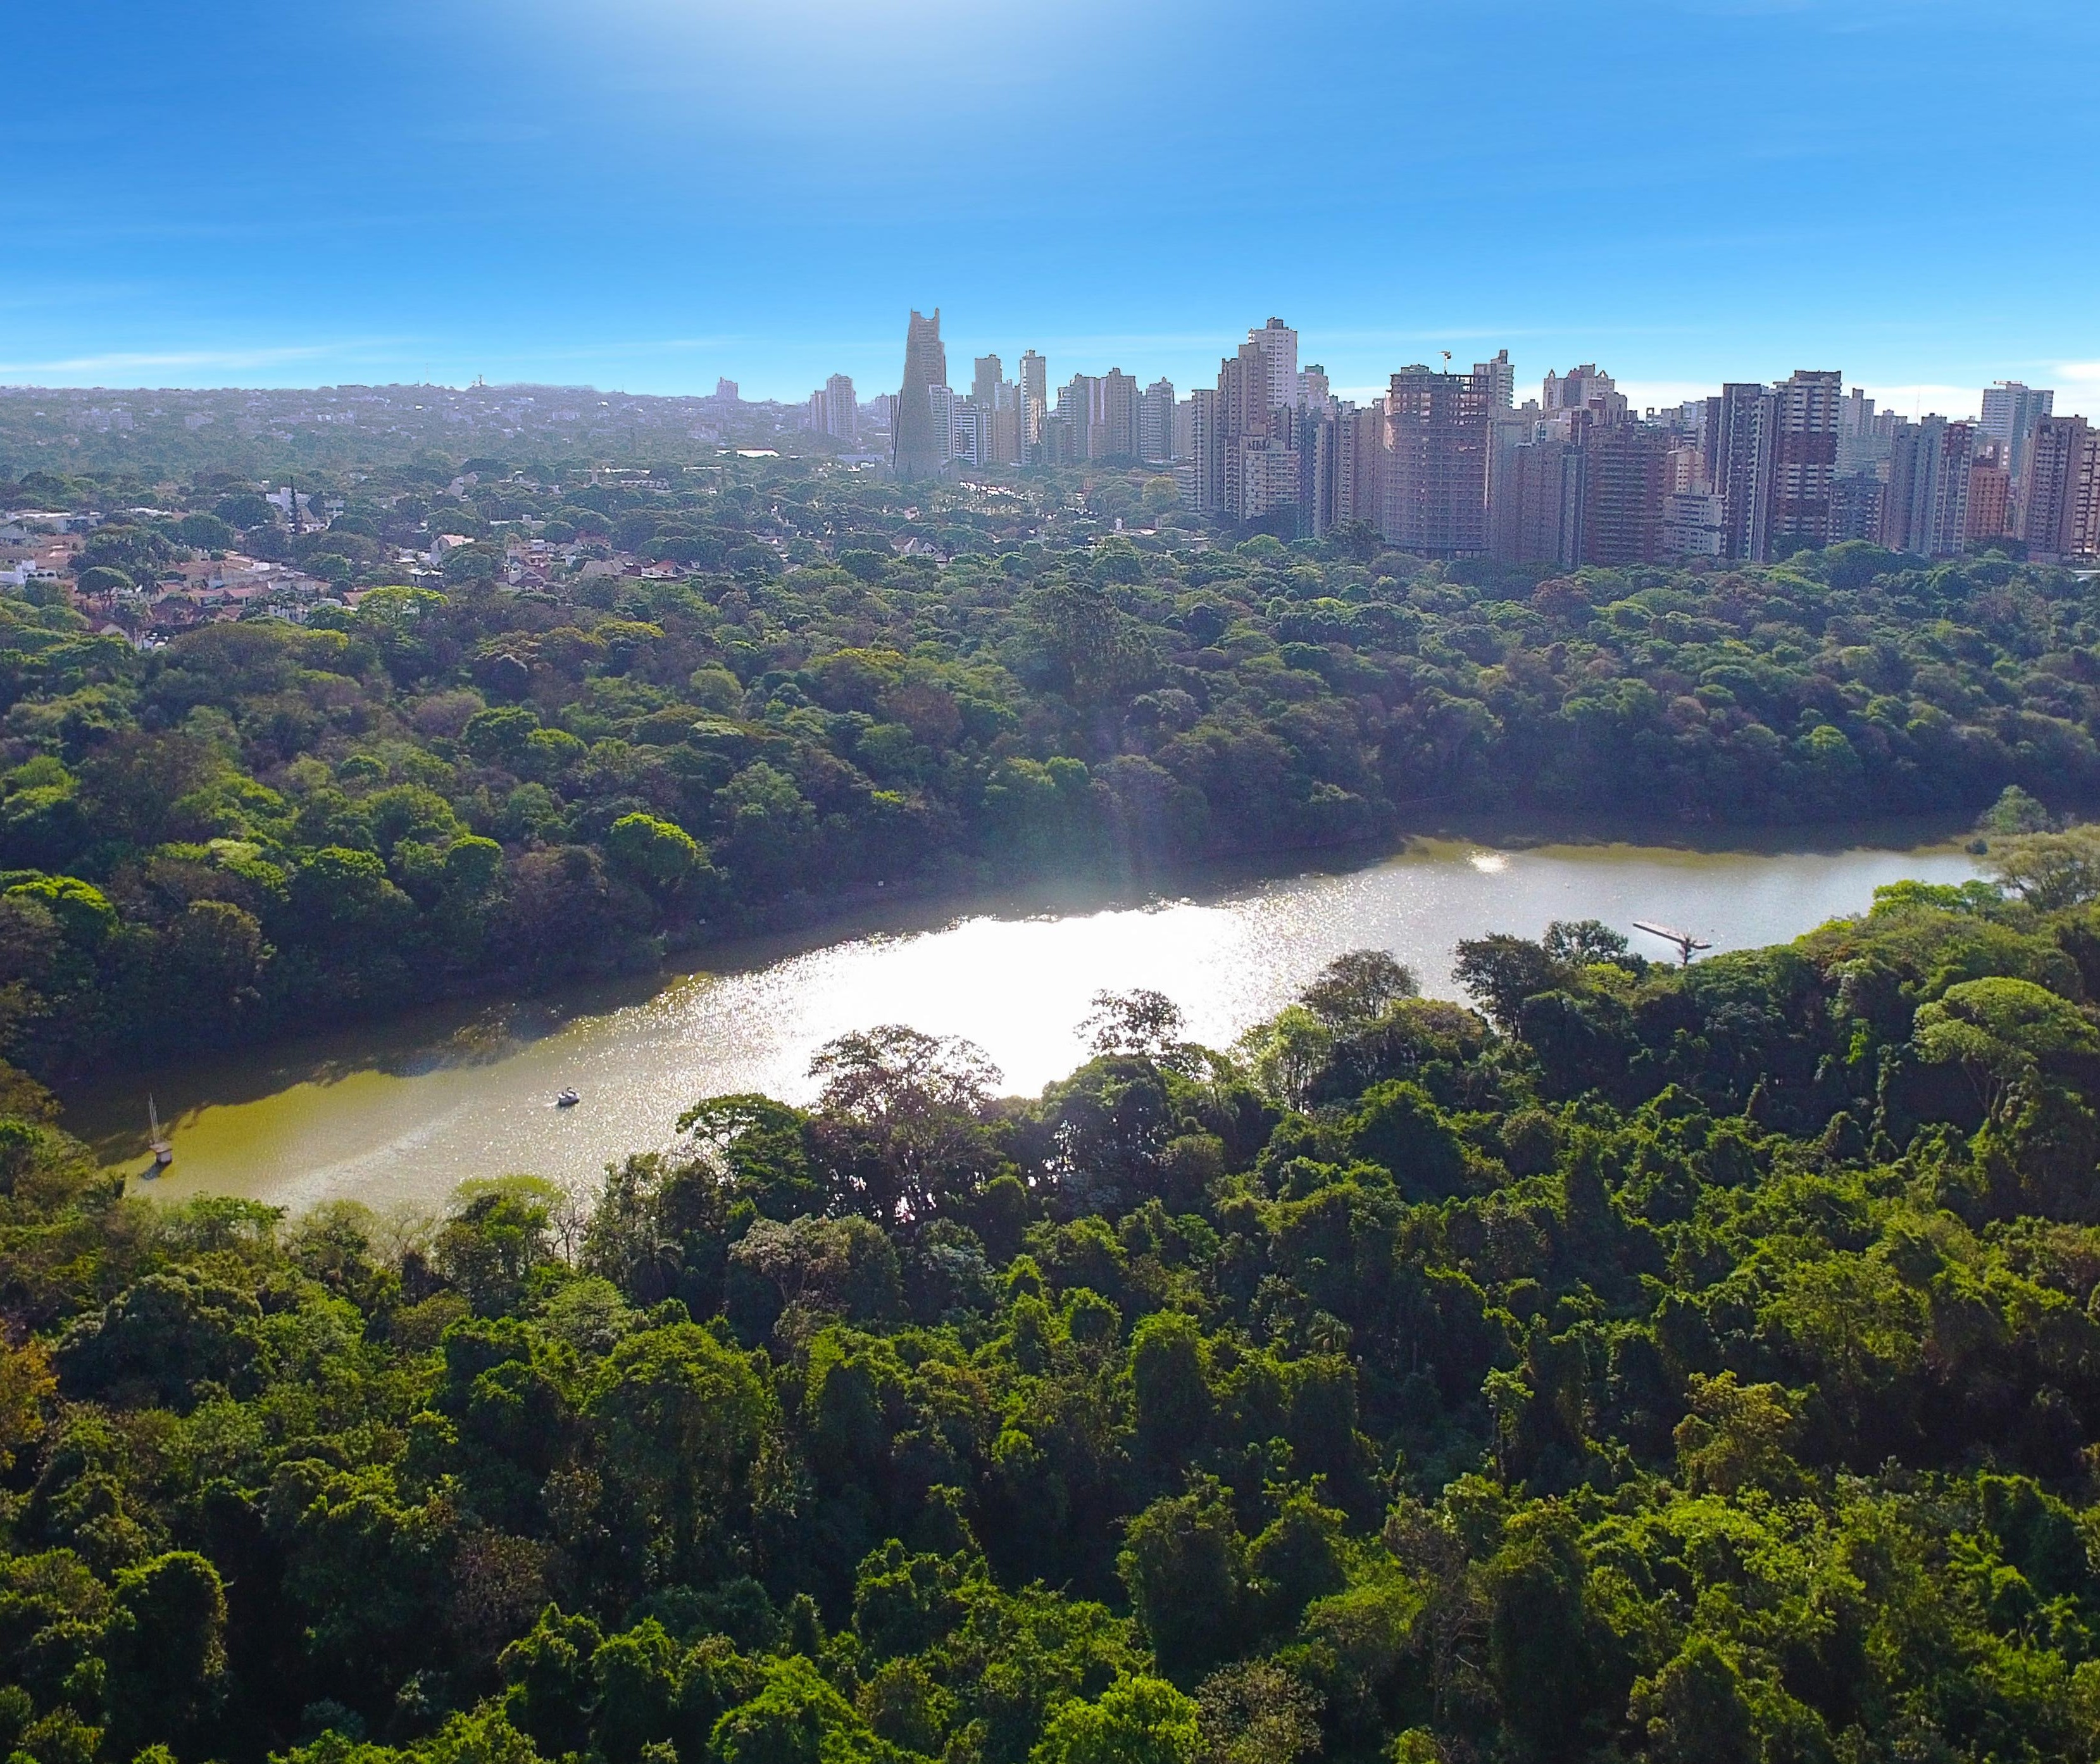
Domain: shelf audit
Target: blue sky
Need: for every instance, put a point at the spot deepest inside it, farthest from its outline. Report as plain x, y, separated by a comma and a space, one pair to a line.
645, 194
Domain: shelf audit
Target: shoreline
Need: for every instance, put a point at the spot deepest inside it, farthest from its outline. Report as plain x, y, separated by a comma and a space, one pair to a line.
495, 1025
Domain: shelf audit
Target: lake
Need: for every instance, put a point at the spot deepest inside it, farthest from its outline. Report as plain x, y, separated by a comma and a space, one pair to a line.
399, 1113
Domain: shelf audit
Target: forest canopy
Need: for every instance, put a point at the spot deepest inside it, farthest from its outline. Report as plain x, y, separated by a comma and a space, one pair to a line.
1638, 1362
463, 783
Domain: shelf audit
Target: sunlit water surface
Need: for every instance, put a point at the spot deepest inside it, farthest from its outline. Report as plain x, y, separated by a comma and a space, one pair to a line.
400, 1113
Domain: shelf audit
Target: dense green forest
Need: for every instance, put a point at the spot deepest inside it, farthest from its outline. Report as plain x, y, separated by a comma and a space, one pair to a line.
1694, 1365
259, 824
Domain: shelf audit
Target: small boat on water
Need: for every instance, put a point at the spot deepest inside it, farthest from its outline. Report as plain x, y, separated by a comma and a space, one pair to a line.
156, 1141
568, 1098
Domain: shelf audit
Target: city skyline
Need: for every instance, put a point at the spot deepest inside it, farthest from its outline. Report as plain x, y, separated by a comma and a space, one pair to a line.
646, 197
1446, 463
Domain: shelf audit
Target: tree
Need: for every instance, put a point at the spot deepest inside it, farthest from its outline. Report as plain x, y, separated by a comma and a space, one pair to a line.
476, 562
489, 1248
245, 508
2015, 813
2003, 1034
1257, 1712
2048, 871
863, 565
1538, 1646
1583, 942
550, 1692
26, 1385
1694, 1710
660, 856
1170, 1384
499, 735
828, 1264
684, 1420
1358, 538
210, 532
898, 1118
1098, 650
1288, 1055
1358, 986
1737, 1437
1184, 1563
168, 1653
1137, 1720
1140, 1025
797, 1718
1500, 972
104, 579
1399, 1125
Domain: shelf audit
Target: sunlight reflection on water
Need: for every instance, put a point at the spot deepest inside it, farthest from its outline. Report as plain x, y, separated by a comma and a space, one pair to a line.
398, 1121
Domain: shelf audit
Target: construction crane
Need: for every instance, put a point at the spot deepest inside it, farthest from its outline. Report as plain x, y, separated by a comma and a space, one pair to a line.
1687, 945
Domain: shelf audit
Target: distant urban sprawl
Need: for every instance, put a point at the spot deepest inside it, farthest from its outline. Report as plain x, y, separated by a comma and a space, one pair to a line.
1447, 463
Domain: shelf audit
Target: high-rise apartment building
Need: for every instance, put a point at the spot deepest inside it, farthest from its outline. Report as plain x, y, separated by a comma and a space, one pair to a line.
1313, 392
1855, 507
1035, 404
1738, 448
941, 401
1925, 509
839, 410
1535, 515
1862, 436
1437, 481
1583, 493
1360, 461
2045, 512
1119, 401
919, 443
1324, 436
2085, 523
986, 373
1155, 422
1804, 459
1694, 523
1267, 479
2011, 413
1584, 388
1006, 423
1623, 487
1500, 378
1772, 456
1206, 456
970, 430
1244, 413
1073, 415
1319, 442
1989, 513
1278, 344
1508, 430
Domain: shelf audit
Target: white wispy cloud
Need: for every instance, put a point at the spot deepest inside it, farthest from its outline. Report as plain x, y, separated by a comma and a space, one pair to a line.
232, 360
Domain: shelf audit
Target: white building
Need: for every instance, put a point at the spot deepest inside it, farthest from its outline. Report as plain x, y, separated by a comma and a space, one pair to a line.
1278, 344
1692, 524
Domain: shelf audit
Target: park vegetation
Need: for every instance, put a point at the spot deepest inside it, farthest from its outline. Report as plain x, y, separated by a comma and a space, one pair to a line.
1695, 1364
836, 696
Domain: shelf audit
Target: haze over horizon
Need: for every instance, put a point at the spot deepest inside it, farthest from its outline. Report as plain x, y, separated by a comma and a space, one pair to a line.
653, 194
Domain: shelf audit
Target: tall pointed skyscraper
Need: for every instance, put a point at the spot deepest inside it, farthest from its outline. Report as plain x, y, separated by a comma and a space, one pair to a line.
916, 448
